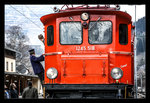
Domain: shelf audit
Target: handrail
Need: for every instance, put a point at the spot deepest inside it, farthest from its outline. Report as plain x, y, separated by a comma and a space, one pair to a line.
52, 53
85, 6
121, 52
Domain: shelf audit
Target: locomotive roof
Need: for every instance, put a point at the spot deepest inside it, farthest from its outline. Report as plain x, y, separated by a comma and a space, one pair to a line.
71, 12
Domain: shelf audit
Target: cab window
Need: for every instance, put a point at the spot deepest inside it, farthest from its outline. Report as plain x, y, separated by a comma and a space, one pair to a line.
70, 33
50, 35
123, 34
100, 32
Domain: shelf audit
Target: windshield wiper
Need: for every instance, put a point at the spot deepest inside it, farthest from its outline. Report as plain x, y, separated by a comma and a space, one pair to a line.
74, 23
94, 23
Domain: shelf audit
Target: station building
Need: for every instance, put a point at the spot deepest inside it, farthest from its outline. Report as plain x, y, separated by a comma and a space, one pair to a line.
19, 75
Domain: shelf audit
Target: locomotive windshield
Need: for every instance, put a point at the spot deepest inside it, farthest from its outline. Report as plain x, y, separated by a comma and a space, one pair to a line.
100, 32
70, 33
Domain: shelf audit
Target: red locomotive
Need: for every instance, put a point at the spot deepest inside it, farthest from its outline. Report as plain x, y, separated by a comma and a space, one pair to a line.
88, 53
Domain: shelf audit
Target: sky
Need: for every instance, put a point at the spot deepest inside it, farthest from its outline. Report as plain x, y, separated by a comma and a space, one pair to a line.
140, 11
28, 17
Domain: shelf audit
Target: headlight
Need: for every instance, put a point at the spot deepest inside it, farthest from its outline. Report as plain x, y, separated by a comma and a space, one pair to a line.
116, 73
52, 73
84, 16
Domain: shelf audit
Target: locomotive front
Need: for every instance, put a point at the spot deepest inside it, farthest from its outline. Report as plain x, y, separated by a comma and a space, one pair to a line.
88, 53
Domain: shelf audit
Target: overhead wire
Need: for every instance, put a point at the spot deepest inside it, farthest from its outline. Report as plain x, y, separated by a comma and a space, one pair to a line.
32, 11
26, 17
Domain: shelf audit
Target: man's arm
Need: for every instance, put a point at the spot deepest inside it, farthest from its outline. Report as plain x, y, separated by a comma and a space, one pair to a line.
41, 58
23, 94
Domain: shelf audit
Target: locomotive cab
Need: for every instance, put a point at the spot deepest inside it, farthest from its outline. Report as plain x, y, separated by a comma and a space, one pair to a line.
88, 53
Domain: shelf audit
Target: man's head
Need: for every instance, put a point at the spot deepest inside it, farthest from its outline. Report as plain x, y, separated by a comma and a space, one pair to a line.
12, 86
31, 51
29, 83
41, 37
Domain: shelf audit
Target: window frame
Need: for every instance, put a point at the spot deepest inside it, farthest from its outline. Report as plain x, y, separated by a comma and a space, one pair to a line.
111, 33
126, 33
60, 33
48, 42
11, 66
7, 68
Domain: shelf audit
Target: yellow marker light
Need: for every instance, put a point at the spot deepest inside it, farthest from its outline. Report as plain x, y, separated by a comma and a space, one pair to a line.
127, 81
117, 81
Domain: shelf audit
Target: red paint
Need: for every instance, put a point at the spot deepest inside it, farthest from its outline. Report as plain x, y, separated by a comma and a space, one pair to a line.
85, 63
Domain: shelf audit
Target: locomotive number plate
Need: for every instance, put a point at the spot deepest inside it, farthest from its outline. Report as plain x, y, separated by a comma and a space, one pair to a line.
84, 48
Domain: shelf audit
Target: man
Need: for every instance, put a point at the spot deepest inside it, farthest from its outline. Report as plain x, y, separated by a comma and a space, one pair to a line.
30, 92
36, 65
13, 91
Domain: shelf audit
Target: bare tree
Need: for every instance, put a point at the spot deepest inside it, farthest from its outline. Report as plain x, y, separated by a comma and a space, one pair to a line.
17, 40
